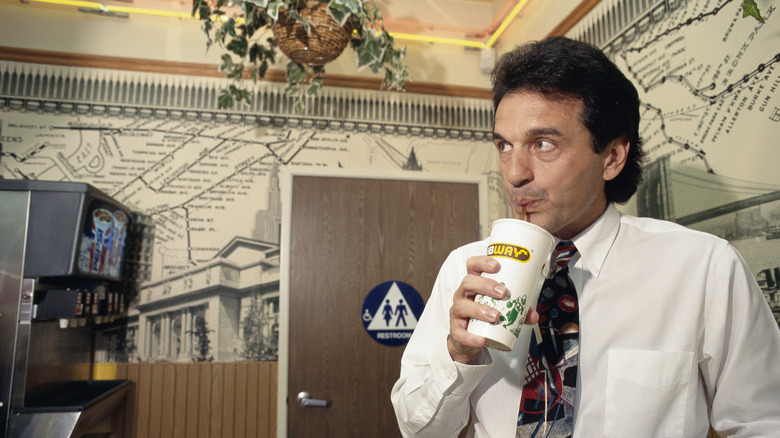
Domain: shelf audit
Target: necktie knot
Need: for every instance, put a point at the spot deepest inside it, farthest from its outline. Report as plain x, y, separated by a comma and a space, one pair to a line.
564, 251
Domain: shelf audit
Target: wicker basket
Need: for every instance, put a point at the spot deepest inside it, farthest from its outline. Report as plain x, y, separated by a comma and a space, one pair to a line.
325, 42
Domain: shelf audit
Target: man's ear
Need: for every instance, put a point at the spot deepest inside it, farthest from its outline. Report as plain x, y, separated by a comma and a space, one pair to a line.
615, 156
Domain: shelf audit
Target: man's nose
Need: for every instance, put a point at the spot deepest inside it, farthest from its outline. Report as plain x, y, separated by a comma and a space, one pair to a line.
519, 171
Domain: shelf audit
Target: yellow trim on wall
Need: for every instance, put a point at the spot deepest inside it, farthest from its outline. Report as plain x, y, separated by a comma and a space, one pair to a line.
104, 371
99, 7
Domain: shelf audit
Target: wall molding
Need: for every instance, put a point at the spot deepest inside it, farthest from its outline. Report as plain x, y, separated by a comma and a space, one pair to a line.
210, 70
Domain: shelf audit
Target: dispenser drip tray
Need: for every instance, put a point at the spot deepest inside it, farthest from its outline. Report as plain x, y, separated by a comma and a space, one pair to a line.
68, 409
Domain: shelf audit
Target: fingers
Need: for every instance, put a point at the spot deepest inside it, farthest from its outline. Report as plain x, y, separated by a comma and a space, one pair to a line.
479, 264
532, 317
462, 345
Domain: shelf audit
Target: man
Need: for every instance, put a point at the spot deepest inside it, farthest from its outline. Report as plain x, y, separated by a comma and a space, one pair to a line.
675, 335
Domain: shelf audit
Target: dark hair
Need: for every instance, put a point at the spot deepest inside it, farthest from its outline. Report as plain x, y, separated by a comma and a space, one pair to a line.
559, 67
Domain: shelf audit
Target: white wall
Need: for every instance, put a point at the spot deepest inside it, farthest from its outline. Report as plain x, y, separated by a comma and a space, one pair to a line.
64, 29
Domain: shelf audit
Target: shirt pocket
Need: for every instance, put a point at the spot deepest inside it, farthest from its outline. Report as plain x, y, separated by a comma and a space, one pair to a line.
647, 393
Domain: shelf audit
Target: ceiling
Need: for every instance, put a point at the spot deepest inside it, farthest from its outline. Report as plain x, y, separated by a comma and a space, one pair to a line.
460, 22
459, 18
480, 21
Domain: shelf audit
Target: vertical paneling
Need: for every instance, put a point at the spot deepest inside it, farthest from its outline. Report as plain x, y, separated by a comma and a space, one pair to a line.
144, 402
217, 395
252, 402
228, 399
192, 394
182, 402
264, 401
156, 400
273, 370
169, 400
219, 400
240, 398
204, 401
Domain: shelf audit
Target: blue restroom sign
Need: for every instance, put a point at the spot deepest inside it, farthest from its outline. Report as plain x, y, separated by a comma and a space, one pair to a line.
390, 312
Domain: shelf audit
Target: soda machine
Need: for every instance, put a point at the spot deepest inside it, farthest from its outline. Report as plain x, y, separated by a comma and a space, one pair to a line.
63, 268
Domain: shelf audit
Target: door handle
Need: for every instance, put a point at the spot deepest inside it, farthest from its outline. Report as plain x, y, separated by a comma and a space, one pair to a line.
305, 400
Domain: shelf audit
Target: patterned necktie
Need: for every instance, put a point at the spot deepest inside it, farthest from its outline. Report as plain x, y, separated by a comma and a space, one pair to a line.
547, 404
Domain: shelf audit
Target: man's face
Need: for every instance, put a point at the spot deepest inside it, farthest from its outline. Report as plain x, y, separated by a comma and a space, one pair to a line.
548, 164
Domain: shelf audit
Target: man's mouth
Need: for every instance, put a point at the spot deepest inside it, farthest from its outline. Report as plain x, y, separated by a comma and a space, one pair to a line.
527, 204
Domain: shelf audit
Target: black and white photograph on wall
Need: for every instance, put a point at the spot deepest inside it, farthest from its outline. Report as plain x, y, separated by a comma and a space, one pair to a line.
205, 183
708, 78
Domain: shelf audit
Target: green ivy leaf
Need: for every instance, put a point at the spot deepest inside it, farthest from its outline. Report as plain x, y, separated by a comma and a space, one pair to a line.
241, 94
377, 13
206, 28
255, 53
353, 6
225, 99
370, 54
749, 7
338, 13
201, 8
342, 10
299, 18
232, 94
262, 69
227, 28
292, 89
236, 73
258, 3
314, 86
273, 9
296, 71
227, 62
238, 45
247, 56
251, 17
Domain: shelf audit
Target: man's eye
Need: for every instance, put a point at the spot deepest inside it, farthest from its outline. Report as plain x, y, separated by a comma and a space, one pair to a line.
503, 146
544, 145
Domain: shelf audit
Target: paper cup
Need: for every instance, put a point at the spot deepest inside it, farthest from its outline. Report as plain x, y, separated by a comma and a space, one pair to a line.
102, 225
117, 242
523, 251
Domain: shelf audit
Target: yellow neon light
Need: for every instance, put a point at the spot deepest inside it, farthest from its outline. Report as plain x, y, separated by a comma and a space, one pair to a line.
440, 40
400, 36
505, 23
119, 9
157, 12
76, 3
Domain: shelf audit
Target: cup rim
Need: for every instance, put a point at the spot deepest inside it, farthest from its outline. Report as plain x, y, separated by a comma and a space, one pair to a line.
533, 227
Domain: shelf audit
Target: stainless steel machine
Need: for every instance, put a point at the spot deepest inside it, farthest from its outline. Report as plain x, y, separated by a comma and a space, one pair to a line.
63, 248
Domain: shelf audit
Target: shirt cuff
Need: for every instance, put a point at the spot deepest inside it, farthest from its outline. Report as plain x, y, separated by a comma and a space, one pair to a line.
457, 378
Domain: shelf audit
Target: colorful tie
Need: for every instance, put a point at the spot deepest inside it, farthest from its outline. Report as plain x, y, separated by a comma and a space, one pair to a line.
547, 405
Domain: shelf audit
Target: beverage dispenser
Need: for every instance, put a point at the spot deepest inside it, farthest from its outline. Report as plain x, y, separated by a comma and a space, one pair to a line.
63, 253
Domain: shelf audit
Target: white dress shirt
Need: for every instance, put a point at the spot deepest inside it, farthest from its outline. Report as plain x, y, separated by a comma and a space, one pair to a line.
675, 336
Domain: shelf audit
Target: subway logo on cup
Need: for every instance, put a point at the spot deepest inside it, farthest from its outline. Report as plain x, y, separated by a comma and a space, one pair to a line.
509, 251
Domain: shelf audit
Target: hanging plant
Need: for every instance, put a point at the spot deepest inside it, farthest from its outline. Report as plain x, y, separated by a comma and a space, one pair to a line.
311, 33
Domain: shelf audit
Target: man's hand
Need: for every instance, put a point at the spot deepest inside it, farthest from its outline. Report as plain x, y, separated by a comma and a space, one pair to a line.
462, 345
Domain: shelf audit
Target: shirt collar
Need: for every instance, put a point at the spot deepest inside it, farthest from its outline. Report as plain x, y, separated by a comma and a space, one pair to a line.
594, 242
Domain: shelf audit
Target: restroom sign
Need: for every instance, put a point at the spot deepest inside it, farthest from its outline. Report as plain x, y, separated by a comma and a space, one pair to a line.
390, 312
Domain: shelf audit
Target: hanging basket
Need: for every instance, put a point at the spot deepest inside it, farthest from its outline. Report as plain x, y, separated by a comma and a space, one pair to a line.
325, 42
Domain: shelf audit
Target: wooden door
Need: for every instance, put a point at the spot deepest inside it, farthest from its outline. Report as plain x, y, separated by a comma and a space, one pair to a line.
347, 236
